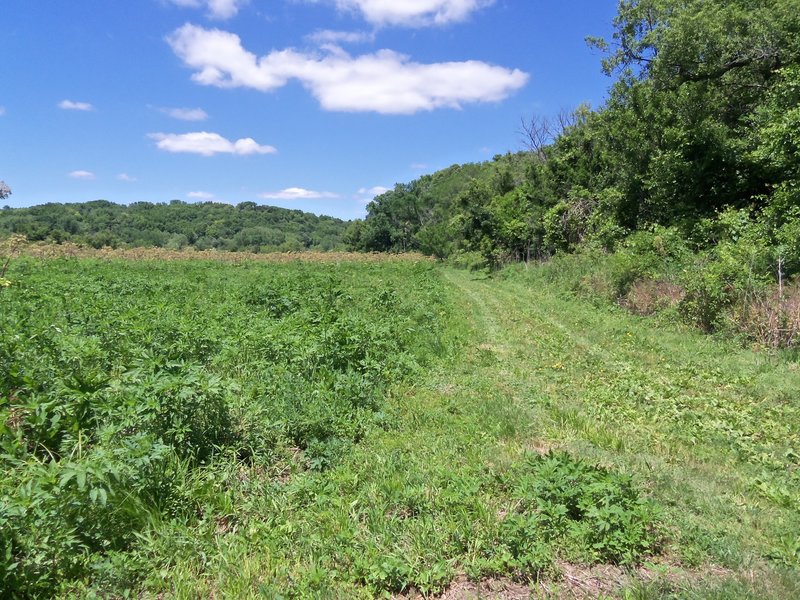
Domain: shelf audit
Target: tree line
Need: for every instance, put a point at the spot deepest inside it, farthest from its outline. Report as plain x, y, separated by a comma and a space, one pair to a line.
176, 225
700, 136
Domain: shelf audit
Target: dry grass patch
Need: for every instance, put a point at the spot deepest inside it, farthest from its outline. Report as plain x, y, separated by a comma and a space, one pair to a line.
772, 319
69, 250
648, 296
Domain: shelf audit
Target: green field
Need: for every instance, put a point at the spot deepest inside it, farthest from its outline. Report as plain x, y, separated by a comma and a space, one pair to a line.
378, 429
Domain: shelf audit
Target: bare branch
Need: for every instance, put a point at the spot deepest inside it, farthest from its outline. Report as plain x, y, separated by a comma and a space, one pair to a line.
767, 57
564, 120
536, 133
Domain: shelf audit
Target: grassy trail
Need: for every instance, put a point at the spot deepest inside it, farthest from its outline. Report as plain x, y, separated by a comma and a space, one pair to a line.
706, 430
711, 429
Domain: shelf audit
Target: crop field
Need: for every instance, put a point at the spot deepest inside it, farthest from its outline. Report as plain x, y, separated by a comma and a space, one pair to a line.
360, 429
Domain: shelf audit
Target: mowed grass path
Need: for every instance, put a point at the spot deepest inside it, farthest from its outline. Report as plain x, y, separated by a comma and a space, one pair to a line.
711, 429
708, 431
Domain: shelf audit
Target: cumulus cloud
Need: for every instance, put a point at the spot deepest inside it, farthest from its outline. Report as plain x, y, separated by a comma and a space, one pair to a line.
126, 178
85, 175
200, 195
208, 144
373, 191
70, 105
384, 82
186, 114
413, 13
328, 36
217, 9
297, 193
366, 195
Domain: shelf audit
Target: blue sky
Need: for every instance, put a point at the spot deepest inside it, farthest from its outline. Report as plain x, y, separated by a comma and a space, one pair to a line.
308, 104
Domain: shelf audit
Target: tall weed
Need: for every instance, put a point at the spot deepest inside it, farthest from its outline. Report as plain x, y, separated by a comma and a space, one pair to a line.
127, 388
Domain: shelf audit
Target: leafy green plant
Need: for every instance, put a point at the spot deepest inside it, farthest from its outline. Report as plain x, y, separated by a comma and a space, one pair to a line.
129, 390
596, 513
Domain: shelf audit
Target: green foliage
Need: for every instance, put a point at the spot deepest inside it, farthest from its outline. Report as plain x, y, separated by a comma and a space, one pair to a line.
472, 261
200, 430
730, 288
689, 175
658, 253
741, 263
338, 464
698, 138
176, 225
589, 510
779, 119
126, 387
568, 508
714, 420
425, 214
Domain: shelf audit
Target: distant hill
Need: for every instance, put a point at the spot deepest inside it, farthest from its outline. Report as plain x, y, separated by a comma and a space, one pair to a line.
246, 226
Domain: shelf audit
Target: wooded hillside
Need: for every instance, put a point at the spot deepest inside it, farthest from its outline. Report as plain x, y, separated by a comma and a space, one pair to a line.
246, 226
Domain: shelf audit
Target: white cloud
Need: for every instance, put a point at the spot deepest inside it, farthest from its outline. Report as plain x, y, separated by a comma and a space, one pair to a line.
297, 193
70, 105
127, 178
200, 195
385, 82
85, 175
367, 195
217, 9
373, 191
185, 114
208, 144
328, 36
413, 12
419, 166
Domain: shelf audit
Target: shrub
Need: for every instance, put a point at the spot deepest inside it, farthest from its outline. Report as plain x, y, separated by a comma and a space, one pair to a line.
596, 511
567, 507
772, 318
739, 266
180, 405
472, 261
653, 254
649, 296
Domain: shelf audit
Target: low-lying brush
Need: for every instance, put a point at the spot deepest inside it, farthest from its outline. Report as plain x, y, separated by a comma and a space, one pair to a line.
648, 296
567, 508
772, 318
731, 289
125, 387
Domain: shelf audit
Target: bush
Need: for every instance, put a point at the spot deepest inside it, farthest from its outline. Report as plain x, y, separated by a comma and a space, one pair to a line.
772, 318
472, 261
598, 513
182, 406
656, 254
649, 296
739, 266
568, 508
